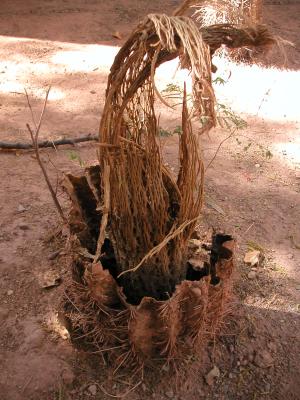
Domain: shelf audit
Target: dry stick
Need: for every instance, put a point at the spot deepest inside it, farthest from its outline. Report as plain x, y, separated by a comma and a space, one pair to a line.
109, 349
264, 99
57, 171
27, 383
34, 138
218, 149
48, 143
161, 245
31, 110
54, 197
106, 207
249, 227
74, 305
120, 396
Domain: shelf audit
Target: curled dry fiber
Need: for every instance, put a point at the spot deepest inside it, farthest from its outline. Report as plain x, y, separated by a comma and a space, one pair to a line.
140, 299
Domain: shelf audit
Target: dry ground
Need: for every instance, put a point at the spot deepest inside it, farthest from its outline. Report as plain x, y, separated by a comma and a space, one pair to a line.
70, 45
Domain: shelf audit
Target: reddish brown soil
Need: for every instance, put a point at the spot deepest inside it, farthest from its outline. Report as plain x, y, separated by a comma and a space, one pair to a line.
70, 45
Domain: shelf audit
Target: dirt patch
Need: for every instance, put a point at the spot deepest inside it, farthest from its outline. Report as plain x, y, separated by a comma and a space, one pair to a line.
70, 45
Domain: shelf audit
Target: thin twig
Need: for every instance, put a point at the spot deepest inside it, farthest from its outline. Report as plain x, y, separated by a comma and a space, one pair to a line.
30, 108
120, 396
27, 383
74, 305
263, 99
248, 229
34, 137
108, 349
57, 176
218, 149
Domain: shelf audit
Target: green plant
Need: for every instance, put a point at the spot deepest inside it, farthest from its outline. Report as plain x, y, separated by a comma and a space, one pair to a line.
264, 151
75, 157
219, 81
172, 88
166, 133
228, 119
178, 130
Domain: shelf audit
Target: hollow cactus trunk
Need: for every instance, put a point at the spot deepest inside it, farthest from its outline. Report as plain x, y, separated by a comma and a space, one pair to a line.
133, 292
150, 327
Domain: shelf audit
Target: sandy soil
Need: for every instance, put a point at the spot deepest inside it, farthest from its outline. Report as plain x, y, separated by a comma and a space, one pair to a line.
70, 46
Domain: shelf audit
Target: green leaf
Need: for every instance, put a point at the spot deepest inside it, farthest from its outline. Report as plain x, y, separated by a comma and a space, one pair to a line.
178, 130
219, 81
74, 156
164, 133
172, 88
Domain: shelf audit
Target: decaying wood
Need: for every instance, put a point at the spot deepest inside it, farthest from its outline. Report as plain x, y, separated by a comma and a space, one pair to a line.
183, 323
105, 317
84, 217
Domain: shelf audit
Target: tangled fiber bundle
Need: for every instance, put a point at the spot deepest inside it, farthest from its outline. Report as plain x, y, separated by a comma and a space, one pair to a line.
235, 37
241, 13
238, 12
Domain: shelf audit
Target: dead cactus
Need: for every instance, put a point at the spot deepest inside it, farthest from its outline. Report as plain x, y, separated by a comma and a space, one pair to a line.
133, 295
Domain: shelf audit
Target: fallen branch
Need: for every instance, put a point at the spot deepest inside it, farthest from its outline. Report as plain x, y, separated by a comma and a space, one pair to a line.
34, 137
47, 143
